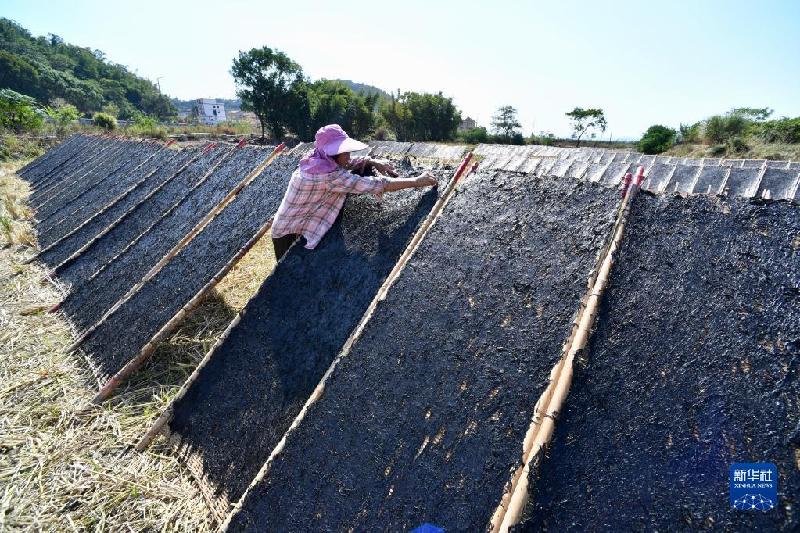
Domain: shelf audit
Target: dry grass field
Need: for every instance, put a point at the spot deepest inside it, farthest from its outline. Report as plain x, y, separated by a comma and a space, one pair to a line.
69, 466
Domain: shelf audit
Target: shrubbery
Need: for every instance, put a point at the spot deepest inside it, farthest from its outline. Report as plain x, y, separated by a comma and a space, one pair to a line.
63, 116
721, 128
474, 136
19, 112
657, 139
105, 121
785, 130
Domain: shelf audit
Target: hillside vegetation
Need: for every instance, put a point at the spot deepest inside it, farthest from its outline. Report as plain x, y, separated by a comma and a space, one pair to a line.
49, 69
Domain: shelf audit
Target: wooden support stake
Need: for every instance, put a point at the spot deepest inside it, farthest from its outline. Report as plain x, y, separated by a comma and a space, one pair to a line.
540, 432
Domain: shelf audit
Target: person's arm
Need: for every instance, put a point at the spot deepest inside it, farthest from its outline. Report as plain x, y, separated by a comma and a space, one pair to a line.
347, 182
423, 180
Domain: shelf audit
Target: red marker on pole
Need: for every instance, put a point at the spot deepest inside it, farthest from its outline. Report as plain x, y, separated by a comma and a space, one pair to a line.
626, 183
639, 176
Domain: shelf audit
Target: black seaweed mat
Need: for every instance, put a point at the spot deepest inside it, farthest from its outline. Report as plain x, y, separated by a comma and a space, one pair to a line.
167, 165
77, 211
66, 170
89, 173
40, 169
87, 304
256, 382
424, 420
100, 180
55, 155
137, 220
69, 170
122, 336
162, 167
694, 366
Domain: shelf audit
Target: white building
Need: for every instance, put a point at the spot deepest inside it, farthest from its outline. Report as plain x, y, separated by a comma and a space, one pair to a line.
209, 111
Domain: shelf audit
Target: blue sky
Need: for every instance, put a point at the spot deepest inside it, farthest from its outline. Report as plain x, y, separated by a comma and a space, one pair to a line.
642, 62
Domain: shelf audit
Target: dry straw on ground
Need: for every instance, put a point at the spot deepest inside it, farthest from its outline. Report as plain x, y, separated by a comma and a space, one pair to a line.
68, 467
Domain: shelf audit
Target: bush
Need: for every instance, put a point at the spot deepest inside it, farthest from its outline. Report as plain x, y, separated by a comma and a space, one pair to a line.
18, 147
657, 139
544, 138
382, 134
474, 136
145, 126
516, 138
63, 116
689, 133
785, 130
105, 121
19, 112
737, 145
719, 129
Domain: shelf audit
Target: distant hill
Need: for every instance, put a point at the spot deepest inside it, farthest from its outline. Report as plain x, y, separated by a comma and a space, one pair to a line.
363, 88
47, 69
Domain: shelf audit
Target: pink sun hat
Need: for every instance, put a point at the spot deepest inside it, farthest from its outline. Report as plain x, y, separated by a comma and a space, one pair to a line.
333, 140
330, 140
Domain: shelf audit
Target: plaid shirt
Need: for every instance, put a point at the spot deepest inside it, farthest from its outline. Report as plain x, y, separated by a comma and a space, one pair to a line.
312, 202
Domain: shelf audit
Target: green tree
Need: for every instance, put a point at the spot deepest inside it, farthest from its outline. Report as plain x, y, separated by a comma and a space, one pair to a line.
505, 124
783, 130
421, 116
19, 112
689, 133
586, 121
719, 129
756, 114
48, 68
18, 74
333, 102
657, 139
265, 81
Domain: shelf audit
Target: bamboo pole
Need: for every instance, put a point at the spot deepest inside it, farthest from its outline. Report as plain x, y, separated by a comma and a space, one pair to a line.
461, 171
540, 432
169, 327
177, 248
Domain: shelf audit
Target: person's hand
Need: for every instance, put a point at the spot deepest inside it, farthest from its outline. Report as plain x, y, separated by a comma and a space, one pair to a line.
426, 179
385, 169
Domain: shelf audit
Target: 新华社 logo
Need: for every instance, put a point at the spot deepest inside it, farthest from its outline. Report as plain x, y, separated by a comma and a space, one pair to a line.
753, 486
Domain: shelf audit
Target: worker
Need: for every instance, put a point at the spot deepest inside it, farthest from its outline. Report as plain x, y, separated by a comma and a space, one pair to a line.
317, 189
